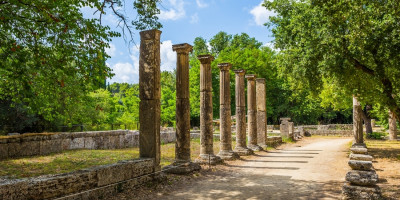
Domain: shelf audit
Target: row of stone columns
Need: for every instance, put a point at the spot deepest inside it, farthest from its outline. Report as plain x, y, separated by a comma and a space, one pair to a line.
149, 109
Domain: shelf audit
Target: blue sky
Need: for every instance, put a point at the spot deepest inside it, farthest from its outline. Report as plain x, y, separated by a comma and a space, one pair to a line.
183, 21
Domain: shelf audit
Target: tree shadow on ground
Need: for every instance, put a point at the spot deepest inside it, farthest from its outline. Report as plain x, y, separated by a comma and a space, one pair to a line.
221, 186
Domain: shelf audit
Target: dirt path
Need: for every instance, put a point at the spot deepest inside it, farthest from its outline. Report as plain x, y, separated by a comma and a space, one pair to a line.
304, 171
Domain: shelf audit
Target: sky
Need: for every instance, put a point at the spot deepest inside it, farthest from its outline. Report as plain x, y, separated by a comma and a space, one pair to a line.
183, 21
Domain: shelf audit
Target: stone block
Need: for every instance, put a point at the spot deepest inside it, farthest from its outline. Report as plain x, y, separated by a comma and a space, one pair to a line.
109, 174
59, 185
77, 143
65, 144
360, 165
361, 157
89, 142
357, 177
357, 150
14, 189
50, 146
113, 142
3, 151
353, 192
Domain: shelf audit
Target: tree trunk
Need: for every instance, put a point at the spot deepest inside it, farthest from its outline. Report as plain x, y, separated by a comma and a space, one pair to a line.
367, 120
392, 126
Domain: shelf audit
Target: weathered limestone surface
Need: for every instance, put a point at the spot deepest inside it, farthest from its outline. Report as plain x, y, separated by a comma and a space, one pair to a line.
206, 112
261, 112
392, 126
284, 127
360, 165
149, 94
240, 101
252, 113
357, 121
182, 164
353, 192
358, 150
102, 179
365, 178
225, 152
360, 157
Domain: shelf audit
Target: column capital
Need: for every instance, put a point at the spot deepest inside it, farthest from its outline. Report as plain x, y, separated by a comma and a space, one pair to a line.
250, 77
285, 119
262, 80
205, 59
225, 66
182, 48
240, 71
150, 34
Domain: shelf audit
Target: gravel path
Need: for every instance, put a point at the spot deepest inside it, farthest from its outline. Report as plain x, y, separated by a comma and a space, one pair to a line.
312, 169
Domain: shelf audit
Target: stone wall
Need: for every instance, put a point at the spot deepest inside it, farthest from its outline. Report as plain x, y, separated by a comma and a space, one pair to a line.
46, 143
343, 133
92, 183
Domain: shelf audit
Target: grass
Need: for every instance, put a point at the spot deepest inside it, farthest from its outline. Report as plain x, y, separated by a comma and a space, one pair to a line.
384, 149
73, 160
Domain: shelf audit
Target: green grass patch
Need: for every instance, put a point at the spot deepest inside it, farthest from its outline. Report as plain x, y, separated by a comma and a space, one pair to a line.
287, 139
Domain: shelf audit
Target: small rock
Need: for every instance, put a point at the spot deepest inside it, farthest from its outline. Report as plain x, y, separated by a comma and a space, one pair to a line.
361, 192
361, 157
366, 178
360, 165
357, 150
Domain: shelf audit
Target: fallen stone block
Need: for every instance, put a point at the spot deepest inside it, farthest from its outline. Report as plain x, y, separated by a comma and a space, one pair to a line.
363, 178
361, 157
360, 165
354, 192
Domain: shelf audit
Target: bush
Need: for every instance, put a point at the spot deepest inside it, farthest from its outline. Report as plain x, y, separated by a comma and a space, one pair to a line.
377, 135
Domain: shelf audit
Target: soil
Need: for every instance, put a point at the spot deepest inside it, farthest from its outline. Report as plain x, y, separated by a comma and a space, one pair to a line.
313, 168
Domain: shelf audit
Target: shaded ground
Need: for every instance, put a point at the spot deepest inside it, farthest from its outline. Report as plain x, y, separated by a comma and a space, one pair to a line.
387, 164
311, 169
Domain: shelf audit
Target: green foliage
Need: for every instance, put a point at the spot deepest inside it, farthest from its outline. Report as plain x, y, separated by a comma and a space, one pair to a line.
353, 44
377, 135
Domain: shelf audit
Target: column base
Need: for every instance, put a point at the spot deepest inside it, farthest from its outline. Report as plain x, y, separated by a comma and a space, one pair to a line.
359, 145
243, 151
209, 159
255, 147
264, 146
228, 155
182, 167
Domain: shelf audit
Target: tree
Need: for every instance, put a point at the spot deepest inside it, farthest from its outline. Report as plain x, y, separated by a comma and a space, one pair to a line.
51, 56
353, 43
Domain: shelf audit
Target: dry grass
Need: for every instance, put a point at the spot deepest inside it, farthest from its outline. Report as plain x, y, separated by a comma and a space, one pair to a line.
387, 164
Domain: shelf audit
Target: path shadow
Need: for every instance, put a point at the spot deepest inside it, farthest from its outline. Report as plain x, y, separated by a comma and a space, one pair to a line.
299, 150
281, 152
251, 186
284, 156
256, 167
276, 161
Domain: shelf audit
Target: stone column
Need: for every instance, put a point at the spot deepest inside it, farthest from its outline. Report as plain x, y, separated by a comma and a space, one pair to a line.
284, 127
392, 126
357, 122
291, 130
206, 112
252, 113
182, 164
261, 113
225, 152
149, 94
240, 101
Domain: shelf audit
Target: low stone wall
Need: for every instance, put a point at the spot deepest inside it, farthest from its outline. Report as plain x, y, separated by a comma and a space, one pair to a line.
92, 183
343, 133
329, 127
46, 143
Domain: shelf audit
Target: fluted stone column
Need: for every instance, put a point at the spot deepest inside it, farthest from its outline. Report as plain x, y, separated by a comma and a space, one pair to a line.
225, 152
252, 112
291, 130
261, 113
206, 112
182, 164
392, 126
149, 94
357, 122
240, 102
